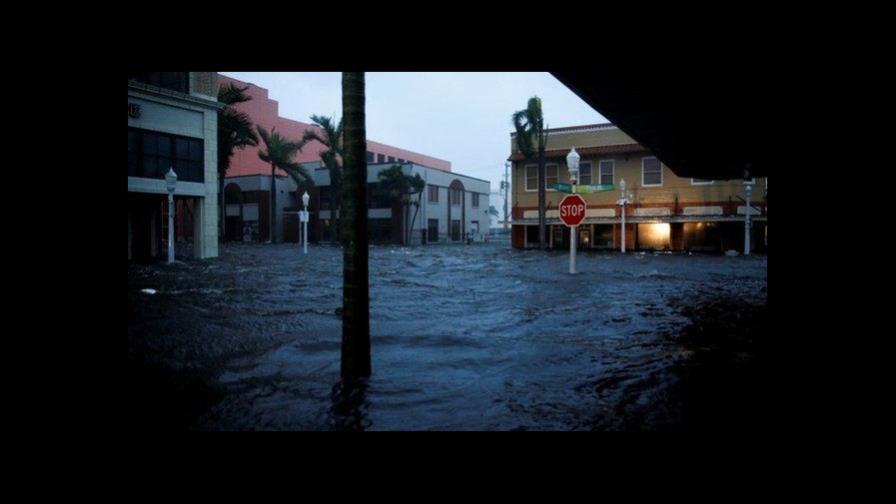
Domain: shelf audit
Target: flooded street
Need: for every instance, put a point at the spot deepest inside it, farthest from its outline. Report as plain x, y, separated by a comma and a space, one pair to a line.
478, 337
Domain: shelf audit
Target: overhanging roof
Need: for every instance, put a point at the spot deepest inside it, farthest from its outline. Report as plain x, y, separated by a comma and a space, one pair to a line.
701, 122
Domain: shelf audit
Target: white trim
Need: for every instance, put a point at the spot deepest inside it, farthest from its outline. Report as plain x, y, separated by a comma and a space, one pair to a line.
612, 175
584, 129
642, 172
701, 183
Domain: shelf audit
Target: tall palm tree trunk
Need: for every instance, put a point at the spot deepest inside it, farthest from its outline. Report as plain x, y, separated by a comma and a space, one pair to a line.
541, 199
272, 226
355, 287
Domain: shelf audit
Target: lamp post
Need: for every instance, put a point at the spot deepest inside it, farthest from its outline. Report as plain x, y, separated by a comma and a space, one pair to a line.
572, 164
171, 183
304, 218
622, 201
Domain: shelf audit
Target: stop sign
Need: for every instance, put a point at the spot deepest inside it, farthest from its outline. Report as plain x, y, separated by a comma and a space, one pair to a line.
572, 209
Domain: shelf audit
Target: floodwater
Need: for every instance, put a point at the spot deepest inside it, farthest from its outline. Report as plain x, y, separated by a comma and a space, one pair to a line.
463, 337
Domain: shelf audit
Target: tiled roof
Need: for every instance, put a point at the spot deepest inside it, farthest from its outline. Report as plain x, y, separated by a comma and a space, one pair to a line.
586, 151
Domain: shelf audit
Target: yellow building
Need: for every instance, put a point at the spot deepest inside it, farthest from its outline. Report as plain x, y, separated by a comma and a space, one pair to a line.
663, 212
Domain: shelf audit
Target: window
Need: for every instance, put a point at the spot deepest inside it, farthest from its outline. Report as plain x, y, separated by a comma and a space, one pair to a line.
475, 200
750, 181
378, 196
400, 160
551, 176
585, 173
391, 159
323, 197
607, 169
132, 153
455, 196
531, 178
701, 181
433, 194
432, 234
175, 81
380, 158
151, 154
369, 157
651, 172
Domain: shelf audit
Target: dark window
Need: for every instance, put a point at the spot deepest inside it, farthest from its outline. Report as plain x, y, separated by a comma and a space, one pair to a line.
585, 173
369, 157
433, 194
433, 230
532, 235
391, 159
475, 200
151, 155
132, 153
377, 196
455, 230
400, 160
175, 81
455, 196
606, 171
551, 175
380, 158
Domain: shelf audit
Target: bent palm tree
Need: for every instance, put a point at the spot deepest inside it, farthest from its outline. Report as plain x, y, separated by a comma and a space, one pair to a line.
235, 131
279, 152
331, 136
401, 187
531, 139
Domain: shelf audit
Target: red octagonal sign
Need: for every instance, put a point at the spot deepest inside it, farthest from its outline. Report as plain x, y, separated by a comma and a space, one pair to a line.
572, 209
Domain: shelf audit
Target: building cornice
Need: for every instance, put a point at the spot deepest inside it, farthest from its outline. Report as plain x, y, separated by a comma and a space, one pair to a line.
173, 95
576, 129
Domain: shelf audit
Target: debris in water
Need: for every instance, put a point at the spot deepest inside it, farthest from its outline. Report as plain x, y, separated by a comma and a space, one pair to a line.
148, 291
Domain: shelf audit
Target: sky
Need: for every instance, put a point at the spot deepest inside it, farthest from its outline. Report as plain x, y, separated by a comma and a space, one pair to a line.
462, 117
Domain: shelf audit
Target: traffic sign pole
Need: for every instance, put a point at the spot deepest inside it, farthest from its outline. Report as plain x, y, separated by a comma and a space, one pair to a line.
572, 242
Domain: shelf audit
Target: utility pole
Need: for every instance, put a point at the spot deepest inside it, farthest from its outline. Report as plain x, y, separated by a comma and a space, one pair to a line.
506, 187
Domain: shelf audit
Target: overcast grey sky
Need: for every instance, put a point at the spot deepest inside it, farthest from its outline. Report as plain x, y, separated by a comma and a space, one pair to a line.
461, 117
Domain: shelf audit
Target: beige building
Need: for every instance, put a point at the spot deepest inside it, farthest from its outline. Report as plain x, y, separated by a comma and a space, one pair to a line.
663, 212
172, 124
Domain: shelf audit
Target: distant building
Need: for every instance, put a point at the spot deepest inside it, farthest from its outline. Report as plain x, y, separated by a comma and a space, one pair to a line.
452, 208
248, 181
172, 123
666, 211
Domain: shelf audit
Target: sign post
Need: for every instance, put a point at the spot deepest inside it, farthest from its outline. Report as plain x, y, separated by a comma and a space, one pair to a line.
572, 213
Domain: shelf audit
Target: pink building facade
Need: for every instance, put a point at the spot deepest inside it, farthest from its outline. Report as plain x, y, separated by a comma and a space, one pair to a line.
247, 200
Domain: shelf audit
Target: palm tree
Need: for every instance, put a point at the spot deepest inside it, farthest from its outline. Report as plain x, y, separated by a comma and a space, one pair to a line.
355, 287
330, 136
279, 152
531, 139
401, 187
235, 131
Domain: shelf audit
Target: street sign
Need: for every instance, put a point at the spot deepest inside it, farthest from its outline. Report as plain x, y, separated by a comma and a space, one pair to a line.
567, 188
586, 189
583, 189
572, 210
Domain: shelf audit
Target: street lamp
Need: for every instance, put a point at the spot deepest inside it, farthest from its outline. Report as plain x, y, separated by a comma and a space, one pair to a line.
622, 202
171, 183
572, 164
304, 219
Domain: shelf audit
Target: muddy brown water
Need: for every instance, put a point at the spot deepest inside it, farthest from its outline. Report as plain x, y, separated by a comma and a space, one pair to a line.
463, 337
